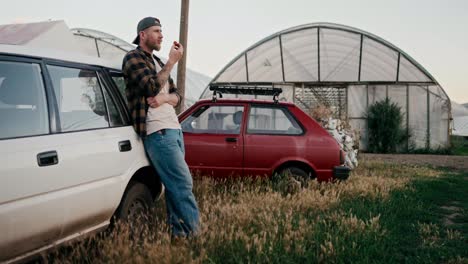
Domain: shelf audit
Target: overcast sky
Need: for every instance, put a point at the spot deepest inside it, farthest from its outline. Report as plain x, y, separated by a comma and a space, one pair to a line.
433, 32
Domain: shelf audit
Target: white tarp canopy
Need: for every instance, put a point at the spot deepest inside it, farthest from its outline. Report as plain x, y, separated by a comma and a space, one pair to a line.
47, 35
57, 36
347, 69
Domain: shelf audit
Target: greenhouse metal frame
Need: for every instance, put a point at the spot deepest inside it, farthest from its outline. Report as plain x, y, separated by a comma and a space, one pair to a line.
346, 69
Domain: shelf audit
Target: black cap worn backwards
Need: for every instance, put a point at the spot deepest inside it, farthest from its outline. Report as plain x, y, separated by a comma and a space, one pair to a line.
144, 24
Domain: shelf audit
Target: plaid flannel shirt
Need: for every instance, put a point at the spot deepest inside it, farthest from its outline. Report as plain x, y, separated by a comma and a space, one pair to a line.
139, 72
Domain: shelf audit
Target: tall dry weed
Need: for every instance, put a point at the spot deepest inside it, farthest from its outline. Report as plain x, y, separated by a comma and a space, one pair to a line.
253, 219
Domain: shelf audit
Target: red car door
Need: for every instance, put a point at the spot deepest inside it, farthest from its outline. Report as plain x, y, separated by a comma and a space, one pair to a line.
214, 142
273, 135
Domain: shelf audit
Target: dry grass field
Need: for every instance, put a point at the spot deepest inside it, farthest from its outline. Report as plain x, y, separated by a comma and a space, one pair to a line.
387, 212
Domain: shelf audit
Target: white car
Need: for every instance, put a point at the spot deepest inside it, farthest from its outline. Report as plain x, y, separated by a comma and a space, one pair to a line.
69, 157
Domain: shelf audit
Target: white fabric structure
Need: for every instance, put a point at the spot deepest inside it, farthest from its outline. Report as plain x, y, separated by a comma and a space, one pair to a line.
460, 126
460, 119
104, 45
55, 35
48, 35
99, 44
459, 109
345, 69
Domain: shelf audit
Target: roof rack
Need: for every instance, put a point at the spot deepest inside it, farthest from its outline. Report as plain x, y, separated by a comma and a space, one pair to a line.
252, 90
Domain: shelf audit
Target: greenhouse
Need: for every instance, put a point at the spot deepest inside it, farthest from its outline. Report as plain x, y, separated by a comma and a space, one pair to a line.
345, 69
56, 35
112, 48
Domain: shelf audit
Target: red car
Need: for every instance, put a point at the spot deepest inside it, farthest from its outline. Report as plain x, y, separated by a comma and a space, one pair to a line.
238, 138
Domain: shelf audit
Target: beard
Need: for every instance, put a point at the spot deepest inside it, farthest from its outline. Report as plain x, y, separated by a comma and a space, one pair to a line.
153, 45
157, 47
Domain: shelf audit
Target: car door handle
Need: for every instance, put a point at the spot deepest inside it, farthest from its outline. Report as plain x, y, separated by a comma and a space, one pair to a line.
47, 158
125, 146
229, 139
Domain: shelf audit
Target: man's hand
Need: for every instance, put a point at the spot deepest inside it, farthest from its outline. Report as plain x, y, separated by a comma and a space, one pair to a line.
158, 100
161, 99
176, 52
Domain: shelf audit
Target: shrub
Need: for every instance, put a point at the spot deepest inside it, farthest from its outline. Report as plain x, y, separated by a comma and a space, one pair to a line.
386, 131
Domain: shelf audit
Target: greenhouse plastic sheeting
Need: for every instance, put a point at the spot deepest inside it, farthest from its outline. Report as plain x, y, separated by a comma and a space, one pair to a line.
300, 55
339, 50
439, 116
264, 62
339, 55
326, 57
235, 72
195, 83
110, 51
88, 45
397, 94
360, 125
379, 62
410, 73
437, 91
418, 116
288, 93
376, 93
357, 101
460, 125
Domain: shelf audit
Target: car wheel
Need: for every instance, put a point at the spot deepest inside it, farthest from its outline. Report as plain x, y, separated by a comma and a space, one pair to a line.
136, 202
297, 174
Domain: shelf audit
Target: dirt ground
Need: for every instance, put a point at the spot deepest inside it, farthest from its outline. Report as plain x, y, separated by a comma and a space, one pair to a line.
455, 162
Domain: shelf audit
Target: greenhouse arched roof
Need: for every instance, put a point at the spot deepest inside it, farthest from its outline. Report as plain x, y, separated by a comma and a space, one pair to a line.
104, 45
102, 36
323, 53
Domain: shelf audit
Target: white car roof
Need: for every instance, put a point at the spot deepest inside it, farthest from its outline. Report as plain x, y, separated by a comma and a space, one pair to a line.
56, 55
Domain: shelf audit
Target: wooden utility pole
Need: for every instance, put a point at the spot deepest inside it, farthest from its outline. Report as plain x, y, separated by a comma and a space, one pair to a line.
181, 67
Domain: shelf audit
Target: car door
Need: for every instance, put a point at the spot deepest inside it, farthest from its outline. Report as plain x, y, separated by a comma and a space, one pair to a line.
94, 146
214, 140
31, 208
272, 135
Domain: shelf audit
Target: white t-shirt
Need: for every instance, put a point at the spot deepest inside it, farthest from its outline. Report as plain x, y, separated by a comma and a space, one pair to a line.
162, 117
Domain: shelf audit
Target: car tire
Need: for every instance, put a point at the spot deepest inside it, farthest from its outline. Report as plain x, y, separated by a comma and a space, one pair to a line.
136, 202
298, 174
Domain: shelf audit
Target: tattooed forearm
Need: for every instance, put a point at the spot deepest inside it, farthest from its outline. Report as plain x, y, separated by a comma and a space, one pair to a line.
163, 74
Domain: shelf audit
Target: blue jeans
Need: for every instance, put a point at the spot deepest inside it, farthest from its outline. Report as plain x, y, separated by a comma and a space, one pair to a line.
167, 154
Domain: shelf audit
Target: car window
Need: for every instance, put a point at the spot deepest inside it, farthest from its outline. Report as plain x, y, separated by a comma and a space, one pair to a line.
23, 107
114, 114
215, 120
120, 82
272, 120
79, 98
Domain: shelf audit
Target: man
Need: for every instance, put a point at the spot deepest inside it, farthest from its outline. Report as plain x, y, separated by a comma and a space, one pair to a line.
152, 96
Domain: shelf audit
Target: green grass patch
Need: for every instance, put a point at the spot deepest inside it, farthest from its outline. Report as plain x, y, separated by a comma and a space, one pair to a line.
459, 146
427, 223
384, 213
